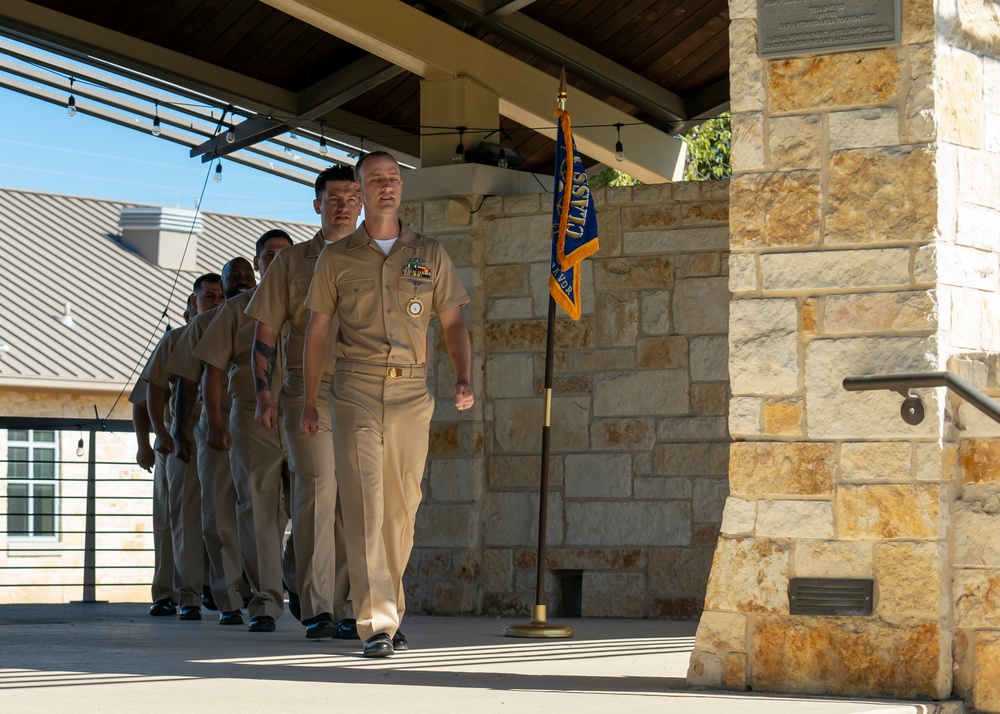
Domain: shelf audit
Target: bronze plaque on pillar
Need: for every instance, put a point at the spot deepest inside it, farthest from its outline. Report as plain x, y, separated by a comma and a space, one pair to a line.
788, 28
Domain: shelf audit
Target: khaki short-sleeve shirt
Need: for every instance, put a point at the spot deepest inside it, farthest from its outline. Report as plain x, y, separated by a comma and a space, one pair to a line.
183, 363
138, 394
155, 371
227, 344
280, 299
385, 303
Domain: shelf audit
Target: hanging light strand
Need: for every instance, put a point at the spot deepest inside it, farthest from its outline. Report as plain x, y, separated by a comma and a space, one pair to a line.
156, 119
71, 103
460, 149
323, 151
324, 143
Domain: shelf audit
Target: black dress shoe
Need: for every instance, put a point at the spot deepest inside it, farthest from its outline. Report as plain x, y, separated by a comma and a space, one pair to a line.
399, 642
163, 608
294, 606
231, 617
190, 613
379, 645
264, 623
320, 627
348, 629
207, 600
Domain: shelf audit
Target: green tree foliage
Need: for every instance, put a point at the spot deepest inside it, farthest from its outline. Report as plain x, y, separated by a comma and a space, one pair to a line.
612, 177
708, 147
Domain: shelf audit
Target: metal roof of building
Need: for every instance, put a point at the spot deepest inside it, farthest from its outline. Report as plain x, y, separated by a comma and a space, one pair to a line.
67, 249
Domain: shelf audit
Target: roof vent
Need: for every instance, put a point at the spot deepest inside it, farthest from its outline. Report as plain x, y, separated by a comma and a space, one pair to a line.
67, 317
159, 235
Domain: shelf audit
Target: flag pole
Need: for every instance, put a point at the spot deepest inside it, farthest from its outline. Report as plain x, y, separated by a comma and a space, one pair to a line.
539, 626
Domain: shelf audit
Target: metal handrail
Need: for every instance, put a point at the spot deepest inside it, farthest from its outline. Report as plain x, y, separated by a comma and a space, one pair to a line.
912, 404
92, 427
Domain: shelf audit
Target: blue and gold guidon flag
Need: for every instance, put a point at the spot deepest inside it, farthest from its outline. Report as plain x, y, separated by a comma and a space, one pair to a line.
574, 221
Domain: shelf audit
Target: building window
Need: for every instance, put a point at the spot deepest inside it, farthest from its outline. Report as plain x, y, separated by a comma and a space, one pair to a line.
32, 486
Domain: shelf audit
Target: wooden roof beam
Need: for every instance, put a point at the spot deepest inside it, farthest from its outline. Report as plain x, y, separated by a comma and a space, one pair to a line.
434, 50
344, 85
496, 9
89, 40
578, 59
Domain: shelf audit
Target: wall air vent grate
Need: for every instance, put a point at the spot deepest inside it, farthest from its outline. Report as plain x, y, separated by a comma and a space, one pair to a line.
826, 596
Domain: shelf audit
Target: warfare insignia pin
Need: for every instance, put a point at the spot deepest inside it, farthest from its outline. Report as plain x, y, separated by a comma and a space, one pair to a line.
415, 307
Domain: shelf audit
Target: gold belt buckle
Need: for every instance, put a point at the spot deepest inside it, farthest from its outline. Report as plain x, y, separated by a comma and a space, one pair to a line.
393, 372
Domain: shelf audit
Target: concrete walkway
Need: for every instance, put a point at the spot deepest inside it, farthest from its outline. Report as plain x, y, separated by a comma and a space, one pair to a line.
115, 658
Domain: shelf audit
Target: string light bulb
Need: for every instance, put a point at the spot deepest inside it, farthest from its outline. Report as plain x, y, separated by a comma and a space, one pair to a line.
502, 160
218, 173
460, 149
230, 135
156, 119
71, 104
619, 149
323, 151
79, 447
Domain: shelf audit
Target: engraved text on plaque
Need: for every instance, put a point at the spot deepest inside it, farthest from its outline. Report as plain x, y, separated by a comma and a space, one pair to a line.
800, 27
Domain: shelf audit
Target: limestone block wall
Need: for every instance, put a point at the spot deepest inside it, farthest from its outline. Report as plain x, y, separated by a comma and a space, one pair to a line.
52, 570
639, 438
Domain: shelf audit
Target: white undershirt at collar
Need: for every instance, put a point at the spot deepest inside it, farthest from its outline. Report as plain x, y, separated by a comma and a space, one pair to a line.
385, 245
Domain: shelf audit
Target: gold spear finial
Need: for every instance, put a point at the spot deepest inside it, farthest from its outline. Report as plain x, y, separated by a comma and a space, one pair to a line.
561, 96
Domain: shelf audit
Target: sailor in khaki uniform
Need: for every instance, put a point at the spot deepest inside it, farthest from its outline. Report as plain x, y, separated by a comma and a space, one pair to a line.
162, 589
182, 477
321, 566
383, 283
257, 455
218, 493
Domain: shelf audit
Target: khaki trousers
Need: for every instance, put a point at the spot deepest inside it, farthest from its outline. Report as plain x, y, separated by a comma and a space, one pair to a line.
258, 459
218, 517
163, 547
184, 492
321, 563
381, 442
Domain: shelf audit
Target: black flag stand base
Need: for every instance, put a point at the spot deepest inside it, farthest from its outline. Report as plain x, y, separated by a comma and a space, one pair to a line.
538, 627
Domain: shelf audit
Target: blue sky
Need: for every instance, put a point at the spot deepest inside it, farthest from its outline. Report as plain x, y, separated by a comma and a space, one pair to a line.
43, 149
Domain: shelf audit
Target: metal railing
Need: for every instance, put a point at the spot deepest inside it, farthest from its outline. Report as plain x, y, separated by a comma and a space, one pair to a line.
912, 410
54, 544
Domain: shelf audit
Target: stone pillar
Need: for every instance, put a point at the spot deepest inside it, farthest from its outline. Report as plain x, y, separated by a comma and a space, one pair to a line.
450, 103
864, 241
967, 93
